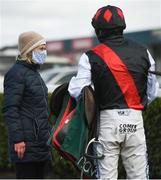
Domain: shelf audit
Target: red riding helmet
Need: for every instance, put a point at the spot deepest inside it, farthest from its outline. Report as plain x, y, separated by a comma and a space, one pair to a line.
109, 17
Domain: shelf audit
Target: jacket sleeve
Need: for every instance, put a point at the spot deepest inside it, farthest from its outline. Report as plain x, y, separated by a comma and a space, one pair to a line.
152, 84
82, 79
13, 93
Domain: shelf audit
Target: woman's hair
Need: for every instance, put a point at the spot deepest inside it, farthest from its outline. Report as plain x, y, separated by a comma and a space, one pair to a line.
27, 57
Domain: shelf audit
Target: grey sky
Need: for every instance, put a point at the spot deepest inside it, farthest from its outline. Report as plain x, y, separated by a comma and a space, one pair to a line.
63, 19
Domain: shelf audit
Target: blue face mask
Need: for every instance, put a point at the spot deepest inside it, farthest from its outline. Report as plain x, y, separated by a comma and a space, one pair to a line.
39, 57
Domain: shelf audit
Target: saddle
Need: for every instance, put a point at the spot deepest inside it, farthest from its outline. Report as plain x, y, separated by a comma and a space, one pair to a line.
75, 124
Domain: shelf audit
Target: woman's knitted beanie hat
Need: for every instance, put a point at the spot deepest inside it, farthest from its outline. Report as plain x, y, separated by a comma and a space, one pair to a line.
28, 41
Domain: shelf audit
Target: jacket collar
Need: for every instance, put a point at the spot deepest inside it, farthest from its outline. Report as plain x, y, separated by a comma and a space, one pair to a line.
118, 39
34, 67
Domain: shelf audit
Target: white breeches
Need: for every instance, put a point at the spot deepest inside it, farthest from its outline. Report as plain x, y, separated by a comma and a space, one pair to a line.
122, 132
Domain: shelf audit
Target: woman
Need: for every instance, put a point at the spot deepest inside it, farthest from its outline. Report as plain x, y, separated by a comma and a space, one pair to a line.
26, 108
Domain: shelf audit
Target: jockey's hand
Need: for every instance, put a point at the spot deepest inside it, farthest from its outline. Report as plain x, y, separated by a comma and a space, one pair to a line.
20, 149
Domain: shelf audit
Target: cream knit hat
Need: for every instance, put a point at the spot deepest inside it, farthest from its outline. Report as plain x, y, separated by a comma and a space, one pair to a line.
28, 41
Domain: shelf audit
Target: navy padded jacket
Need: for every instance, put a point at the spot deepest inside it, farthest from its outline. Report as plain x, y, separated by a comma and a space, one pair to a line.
26, 111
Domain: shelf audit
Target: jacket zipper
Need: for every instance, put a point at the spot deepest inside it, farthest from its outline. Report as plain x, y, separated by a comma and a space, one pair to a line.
44, 96
43, 91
